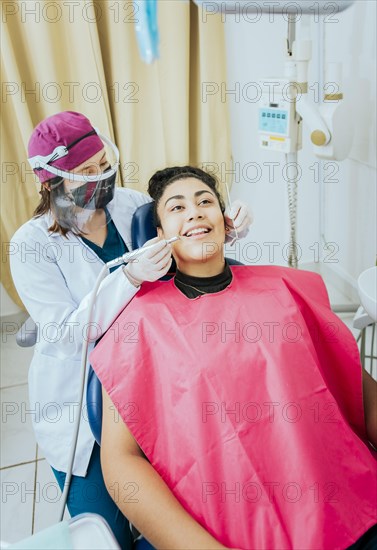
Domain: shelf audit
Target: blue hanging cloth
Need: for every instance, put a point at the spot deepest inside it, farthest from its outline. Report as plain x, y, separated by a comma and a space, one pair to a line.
147, 29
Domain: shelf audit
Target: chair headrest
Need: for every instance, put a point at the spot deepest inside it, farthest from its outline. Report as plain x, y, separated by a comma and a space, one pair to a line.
142, 225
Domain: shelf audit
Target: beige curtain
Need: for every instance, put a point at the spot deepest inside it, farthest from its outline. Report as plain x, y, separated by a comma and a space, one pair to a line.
83, 56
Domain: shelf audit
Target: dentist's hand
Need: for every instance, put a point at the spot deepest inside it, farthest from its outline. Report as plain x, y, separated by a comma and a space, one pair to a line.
150, 266
238, 217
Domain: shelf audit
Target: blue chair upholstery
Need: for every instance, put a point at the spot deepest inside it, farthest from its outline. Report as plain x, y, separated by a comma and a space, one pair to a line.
94, 404
142, 225
142, 229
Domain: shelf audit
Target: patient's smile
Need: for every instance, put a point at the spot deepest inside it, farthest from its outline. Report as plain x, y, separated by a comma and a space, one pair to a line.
197, 232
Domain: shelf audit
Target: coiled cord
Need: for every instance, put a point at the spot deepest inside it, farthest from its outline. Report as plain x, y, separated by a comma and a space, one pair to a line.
291, 159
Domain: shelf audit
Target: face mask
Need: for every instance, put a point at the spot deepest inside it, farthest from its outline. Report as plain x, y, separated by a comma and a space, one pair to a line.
73, 210
95, 194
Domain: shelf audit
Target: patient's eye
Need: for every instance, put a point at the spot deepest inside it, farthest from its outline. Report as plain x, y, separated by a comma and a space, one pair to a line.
176, 208
206, 201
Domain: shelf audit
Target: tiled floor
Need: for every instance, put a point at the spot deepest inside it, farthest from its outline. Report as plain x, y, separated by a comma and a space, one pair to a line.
29, 493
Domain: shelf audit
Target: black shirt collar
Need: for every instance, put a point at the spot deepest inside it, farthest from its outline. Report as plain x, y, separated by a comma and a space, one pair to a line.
196, 286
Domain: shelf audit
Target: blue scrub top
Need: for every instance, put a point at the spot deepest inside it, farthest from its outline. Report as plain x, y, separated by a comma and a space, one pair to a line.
113, 247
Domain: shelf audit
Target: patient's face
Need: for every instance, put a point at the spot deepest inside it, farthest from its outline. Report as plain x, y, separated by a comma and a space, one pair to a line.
190, 209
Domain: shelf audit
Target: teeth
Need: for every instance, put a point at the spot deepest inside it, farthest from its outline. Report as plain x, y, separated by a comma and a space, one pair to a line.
197, 231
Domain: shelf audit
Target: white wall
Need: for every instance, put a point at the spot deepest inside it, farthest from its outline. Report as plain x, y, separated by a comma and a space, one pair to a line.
344, 210
351, 203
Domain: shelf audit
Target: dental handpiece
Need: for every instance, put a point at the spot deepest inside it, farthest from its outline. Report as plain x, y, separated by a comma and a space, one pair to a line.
130, 256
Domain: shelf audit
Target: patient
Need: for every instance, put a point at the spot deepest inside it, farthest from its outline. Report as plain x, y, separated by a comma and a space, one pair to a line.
246, 420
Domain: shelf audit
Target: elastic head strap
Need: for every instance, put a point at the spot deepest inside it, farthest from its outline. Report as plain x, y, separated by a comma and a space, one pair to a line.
92, 133
58, 153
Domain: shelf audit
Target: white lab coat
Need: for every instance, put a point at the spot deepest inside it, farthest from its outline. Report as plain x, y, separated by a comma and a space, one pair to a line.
54, 277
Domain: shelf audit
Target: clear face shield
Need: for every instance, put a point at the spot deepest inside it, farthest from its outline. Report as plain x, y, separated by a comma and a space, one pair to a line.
76, 197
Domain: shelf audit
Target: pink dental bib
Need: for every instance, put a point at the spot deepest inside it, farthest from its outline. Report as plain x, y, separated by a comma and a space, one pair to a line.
248, 403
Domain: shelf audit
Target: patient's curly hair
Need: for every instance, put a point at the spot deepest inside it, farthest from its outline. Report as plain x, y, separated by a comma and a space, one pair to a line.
161, 179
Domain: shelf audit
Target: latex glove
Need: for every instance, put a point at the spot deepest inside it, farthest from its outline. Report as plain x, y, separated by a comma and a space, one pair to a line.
150, 266
239, 217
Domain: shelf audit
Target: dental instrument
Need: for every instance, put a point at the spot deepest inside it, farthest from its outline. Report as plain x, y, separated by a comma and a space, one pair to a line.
131, 256
235, 238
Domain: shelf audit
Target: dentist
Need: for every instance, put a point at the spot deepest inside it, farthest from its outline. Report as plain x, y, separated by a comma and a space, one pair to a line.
81, 222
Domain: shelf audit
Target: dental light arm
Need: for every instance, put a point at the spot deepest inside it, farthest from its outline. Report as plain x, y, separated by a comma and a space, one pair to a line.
298, 55
319, 132
246, 8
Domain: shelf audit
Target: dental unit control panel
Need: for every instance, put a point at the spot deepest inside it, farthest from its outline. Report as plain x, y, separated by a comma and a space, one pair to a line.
278, 122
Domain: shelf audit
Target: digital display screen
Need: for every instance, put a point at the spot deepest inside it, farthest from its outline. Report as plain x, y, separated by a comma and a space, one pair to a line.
274, 121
